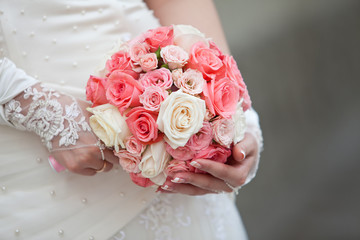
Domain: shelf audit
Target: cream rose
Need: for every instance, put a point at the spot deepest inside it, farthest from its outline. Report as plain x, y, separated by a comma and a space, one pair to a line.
174, 56
185, 36
223, 131
240, 122
109, 125
154, 160
191, 82
181, 115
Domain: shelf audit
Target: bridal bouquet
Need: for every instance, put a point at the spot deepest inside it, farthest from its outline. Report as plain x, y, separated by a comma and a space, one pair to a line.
165, 98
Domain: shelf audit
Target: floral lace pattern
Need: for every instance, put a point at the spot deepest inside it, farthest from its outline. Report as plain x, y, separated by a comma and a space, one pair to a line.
217, 218
165, 217
161, 217
47, 117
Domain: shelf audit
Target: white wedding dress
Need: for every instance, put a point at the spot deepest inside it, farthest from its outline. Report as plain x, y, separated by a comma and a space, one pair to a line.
60, 43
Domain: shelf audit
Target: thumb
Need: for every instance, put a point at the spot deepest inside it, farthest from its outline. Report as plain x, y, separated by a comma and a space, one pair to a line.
110, 157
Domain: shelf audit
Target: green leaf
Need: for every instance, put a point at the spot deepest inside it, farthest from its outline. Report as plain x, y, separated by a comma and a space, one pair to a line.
165, 66
158, 53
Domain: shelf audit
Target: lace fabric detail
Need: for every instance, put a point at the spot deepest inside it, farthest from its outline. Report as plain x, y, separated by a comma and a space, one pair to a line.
212, 206
173, 217
161, 217
40, 110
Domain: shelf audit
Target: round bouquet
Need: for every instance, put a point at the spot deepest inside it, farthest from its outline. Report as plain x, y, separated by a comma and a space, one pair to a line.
165, 98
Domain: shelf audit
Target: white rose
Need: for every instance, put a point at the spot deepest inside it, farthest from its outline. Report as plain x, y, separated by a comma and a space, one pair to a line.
109, 125
186, 35
240, 123
181, 115
154, 160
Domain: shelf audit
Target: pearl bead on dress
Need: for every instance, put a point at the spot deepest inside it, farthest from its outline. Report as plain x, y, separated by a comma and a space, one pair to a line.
61, 232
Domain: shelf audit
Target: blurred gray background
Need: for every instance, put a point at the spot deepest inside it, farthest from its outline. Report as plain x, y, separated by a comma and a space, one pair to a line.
301, 62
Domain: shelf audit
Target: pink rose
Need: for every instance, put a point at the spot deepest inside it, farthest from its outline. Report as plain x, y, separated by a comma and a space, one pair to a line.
174, 56
201, 139
152, 97
121, 61
215, 49
142, 124
176, 74
215, 153
221, 97
123, 90
95, 91
233, 73
247, 101
191, 82
159, 37
134, 146
224, 130
129, 162
137, 50
148, 62
183, 153
176, 166
159, 77
139, 180
205, 60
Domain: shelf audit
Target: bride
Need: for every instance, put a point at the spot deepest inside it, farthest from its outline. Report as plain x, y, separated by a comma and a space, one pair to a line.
47, 51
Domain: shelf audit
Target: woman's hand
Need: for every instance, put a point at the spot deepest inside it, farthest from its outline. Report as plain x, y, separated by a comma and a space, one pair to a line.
85, 157
233, 173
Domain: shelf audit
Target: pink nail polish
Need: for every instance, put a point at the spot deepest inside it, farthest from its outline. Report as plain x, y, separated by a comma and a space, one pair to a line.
55, 165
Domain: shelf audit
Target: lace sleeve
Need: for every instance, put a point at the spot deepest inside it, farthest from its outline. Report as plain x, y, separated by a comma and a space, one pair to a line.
253, 127
57, 118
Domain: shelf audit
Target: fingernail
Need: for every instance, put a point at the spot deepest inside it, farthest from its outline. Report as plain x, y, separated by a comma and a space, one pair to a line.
166, 187
55, 165
244, 154
178, 180
195, 164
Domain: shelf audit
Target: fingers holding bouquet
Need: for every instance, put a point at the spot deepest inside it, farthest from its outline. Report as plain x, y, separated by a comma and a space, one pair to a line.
219, 177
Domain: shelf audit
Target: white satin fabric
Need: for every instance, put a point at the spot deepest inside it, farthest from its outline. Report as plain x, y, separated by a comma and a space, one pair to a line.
60, 43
